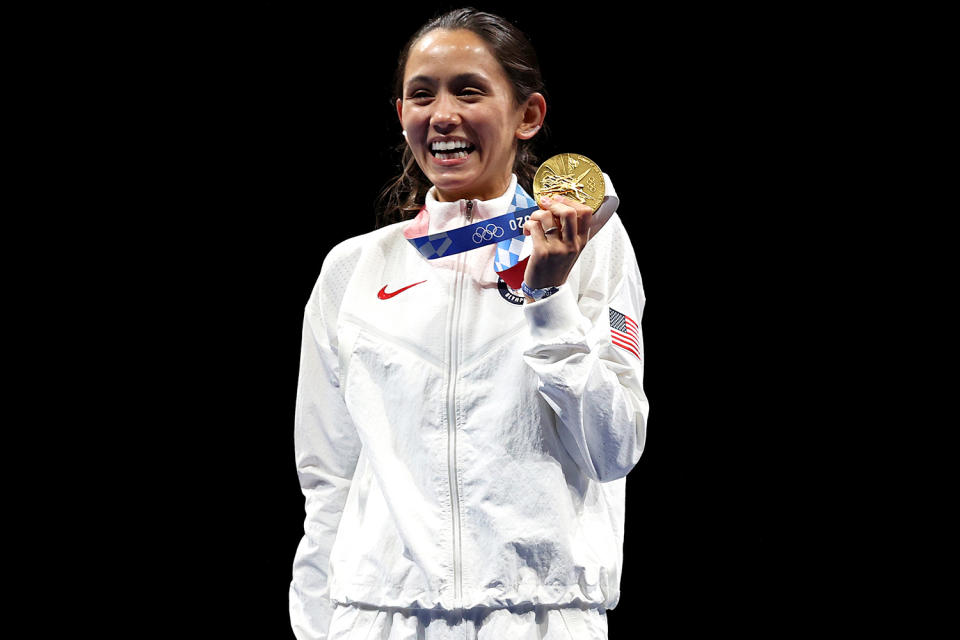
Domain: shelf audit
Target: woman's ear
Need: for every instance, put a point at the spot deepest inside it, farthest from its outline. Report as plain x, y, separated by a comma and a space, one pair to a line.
400, 115
534, 111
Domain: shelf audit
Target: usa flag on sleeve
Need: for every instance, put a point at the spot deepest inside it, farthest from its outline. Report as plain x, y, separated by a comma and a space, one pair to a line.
624, 332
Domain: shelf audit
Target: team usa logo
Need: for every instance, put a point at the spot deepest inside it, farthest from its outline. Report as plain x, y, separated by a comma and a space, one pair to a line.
513, 296
489, 232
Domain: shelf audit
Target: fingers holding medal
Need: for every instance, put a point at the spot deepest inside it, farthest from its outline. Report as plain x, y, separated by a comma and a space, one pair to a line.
569, 188
560, 219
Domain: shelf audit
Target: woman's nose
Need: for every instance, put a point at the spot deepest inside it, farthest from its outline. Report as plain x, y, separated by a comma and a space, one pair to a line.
445, 116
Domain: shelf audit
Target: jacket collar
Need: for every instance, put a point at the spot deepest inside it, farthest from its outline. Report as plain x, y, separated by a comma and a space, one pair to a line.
444, 216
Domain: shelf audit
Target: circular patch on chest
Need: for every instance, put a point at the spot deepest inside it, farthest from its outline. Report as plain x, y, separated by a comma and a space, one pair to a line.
513, 296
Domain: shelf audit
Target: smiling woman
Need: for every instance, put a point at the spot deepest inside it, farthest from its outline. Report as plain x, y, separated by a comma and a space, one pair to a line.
498, 65
462, 443
457, 98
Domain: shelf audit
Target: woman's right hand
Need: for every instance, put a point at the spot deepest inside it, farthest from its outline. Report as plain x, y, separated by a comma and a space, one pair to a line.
559, 232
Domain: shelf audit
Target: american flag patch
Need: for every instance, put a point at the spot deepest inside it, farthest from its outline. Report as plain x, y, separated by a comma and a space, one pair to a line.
624, 332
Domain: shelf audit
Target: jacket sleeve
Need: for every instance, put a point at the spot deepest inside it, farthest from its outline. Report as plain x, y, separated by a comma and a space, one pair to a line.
592, 383
327, 448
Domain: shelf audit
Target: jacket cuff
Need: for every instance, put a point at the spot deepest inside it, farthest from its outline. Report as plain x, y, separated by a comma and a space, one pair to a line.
551, 317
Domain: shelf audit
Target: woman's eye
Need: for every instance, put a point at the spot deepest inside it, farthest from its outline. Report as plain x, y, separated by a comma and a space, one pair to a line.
470, 92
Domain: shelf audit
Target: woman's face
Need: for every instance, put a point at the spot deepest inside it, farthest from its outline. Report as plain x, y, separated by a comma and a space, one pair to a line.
461, 119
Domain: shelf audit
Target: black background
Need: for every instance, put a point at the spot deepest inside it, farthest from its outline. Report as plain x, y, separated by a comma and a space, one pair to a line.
269, 134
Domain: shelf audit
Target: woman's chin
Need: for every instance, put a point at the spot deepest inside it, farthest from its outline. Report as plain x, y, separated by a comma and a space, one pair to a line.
453, 184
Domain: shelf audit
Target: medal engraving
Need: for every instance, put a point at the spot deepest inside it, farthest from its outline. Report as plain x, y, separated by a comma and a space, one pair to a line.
571, 175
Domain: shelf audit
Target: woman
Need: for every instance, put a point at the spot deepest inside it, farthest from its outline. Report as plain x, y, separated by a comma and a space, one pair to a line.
463, 448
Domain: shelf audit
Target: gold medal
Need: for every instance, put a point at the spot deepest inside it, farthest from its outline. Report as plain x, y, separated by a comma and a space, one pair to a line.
572, 175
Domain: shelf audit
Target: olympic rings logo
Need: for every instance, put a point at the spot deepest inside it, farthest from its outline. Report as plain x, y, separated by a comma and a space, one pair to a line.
488, 232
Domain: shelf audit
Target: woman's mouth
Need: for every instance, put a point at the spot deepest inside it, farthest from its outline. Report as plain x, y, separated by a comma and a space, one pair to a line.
451, 150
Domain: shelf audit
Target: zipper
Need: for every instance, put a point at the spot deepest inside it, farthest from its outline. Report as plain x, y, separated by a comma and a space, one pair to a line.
452, 422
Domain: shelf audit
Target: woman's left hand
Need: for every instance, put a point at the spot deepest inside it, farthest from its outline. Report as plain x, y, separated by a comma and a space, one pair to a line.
560, 232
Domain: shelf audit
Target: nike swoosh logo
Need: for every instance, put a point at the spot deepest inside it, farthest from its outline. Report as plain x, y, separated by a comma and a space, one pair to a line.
383, 295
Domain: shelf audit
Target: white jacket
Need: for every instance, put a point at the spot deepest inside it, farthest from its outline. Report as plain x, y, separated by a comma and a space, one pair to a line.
457, 449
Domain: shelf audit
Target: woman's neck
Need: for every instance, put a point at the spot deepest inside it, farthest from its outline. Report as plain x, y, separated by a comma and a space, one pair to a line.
490, 193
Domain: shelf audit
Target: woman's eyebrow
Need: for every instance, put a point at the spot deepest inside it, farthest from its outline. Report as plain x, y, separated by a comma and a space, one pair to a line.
421, 79
459, 79
469, 78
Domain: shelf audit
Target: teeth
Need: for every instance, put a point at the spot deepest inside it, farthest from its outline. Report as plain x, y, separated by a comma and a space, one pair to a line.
451, 156
447, 146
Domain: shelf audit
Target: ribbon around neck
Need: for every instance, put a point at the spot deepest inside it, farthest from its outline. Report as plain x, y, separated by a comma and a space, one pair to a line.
506, 231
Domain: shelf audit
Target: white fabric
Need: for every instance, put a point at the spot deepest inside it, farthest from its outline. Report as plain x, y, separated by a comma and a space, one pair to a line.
530, 622
459, 451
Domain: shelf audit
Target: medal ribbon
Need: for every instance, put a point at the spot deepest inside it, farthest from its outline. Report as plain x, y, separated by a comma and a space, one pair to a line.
505, 230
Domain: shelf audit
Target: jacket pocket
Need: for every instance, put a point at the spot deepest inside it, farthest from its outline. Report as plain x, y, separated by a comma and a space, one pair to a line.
584, 624
353, 623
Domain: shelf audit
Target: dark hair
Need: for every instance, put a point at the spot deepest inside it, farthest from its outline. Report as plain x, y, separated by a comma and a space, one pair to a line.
405, 194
